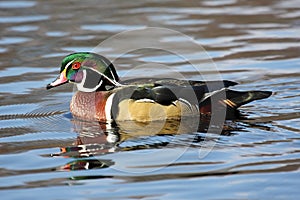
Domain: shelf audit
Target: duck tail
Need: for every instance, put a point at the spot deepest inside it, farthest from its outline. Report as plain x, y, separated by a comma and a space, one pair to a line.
231, 100
237, 98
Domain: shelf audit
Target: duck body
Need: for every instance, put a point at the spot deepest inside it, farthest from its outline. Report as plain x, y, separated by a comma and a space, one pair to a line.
132, 103
144, 110
103, 97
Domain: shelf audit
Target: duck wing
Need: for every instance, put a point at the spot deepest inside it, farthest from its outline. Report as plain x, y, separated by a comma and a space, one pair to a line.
210, 85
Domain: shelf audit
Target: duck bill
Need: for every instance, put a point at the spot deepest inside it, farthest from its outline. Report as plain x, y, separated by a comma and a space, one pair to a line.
60, 80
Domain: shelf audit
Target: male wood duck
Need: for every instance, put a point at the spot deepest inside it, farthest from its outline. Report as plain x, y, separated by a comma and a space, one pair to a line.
103, 97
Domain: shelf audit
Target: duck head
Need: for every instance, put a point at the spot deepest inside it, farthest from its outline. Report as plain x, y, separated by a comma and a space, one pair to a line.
89, 71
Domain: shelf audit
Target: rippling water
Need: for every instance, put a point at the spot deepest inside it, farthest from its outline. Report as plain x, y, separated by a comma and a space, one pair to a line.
46, 153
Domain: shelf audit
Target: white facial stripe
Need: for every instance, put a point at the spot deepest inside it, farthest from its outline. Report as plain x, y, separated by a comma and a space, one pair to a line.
110, 80
80, 86
112, 74
106, 63
69, 63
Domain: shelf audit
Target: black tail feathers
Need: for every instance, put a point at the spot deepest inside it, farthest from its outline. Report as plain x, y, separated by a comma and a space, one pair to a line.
239, 98
231, 100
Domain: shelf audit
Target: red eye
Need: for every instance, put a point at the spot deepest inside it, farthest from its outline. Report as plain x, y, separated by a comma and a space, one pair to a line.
76, 65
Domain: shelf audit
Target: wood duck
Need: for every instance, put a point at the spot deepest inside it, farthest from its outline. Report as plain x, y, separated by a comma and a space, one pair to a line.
103, 97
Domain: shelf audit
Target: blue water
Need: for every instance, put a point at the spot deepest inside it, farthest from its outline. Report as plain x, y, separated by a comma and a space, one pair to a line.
252, 42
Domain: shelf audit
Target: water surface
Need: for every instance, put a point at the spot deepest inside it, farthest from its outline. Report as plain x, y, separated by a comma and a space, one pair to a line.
46, 153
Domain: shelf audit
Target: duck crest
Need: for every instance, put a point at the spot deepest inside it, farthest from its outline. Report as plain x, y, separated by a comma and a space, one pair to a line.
89, 71
93, 61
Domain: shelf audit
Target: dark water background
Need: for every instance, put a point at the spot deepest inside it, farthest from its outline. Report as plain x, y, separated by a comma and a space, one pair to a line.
253, 42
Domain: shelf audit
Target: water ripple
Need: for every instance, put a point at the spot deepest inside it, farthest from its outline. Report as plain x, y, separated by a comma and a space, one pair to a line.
17, 4
23, 19
43, 147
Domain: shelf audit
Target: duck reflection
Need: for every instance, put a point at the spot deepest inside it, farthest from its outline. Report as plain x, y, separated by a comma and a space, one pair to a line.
86, 164
95, 139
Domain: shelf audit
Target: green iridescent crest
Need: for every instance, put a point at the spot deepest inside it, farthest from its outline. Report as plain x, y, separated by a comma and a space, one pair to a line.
89, 71
87, 60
